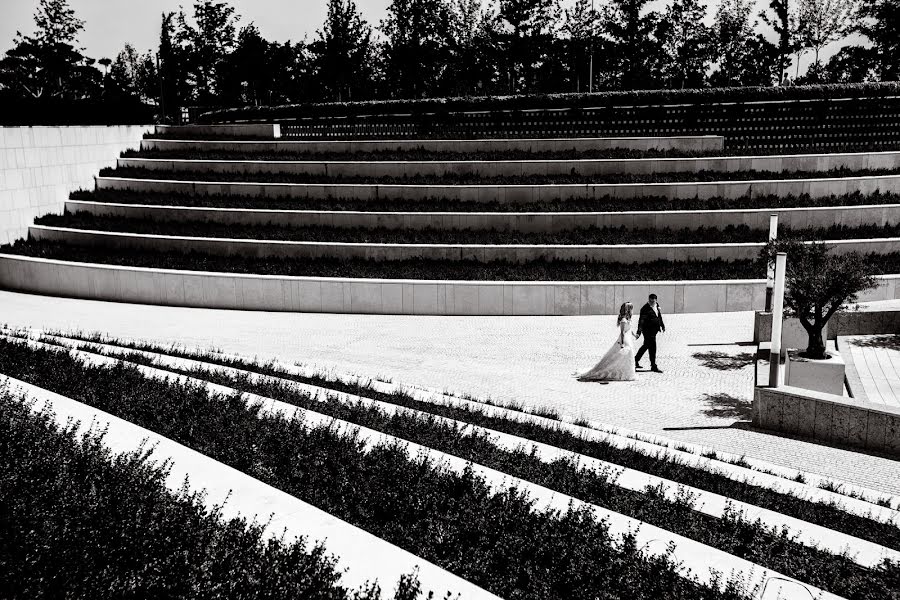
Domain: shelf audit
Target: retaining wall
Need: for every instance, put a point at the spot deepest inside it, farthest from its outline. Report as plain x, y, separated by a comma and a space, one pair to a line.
40, 166
794, 218
619, 253
255, 130
377, 296
866, 322
516, 168
512, 194
702, 143
828, 418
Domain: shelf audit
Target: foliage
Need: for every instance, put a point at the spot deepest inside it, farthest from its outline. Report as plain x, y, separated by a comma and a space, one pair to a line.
83, 523
745, 57
688, 42
819, 283
343, 50
630, 26
495, 540
823, 22
134, 75
784, 23
879, 21
417, 48
205, 45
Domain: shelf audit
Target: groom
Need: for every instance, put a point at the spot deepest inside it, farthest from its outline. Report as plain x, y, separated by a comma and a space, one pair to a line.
649, 324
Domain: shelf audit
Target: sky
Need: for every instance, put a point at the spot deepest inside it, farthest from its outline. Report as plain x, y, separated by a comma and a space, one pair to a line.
110, 24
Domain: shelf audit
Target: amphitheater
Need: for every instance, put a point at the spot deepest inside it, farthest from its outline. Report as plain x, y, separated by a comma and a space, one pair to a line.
392, 284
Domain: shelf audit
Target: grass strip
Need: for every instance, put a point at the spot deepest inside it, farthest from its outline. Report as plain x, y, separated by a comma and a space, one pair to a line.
606, 204
79, 522
494, 540
729, 234
469, 179
752, 541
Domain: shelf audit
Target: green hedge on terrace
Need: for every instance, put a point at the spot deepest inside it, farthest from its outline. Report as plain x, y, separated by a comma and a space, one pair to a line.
551, 101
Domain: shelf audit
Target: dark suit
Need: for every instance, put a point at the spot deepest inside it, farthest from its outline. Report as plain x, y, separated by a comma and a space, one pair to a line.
649, 324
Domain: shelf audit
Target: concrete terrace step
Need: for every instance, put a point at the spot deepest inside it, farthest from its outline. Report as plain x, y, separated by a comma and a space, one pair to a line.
699, 561
362, 557
517, 168
619, 253
865, 553
755, 218
702, 143
250, 130
511, 194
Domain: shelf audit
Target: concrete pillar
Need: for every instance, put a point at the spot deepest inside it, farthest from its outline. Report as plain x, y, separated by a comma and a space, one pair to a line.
777, 316
770, 275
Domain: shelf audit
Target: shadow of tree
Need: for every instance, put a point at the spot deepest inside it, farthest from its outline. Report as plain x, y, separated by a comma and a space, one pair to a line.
721, 361
726, 406
886, 342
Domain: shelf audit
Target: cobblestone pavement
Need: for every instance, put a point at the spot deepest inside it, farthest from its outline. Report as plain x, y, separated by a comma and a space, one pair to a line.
703, 396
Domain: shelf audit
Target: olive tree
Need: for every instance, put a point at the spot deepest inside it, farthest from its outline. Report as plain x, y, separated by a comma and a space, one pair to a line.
818, 284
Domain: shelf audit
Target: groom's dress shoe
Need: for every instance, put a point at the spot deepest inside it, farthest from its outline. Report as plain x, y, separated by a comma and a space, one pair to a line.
655, 369
637, 365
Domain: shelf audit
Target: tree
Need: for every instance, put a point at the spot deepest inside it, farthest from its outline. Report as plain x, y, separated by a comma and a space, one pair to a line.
851, 64
582, 26
879, 21
48, 63
784, 24
170, 79
528, 39
688, 43
630, 28
343, 50
134, 75
473, 66
417, 45
744, 57
819, 284
205, 45
823, 22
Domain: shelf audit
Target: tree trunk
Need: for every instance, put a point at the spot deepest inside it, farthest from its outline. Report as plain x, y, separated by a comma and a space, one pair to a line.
816, 348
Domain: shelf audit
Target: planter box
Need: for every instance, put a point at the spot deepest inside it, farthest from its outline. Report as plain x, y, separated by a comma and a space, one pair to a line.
825, 376
792, 333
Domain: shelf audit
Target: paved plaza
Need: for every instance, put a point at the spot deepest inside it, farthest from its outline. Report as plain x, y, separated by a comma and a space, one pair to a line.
873, 367
702, 397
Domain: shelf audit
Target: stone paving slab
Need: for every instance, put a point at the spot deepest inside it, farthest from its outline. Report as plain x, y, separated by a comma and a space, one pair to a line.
703, 396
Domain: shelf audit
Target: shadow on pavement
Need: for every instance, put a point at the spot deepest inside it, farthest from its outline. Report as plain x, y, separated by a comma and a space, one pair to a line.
886, 342
726, 406
722, 361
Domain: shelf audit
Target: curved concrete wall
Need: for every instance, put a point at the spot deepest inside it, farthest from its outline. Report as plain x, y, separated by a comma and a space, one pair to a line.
796, 218
511, 194
232, 131
516, 168
700, 143
41, 166
622, 253
373, 296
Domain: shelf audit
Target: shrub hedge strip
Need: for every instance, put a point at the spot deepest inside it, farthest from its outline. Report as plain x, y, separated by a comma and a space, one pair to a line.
495, 541
729, 234
752, 541
443, 205
79, 522
554, 101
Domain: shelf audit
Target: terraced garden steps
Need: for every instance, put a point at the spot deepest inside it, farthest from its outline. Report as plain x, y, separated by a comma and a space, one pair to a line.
810, 163
683, 143
865, 553
699, 560
364, 557
512, 194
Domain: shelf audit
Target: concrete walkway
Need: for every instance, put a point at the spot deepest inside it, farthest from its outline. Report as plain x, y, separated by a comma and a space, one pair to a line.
873, 367
702, 397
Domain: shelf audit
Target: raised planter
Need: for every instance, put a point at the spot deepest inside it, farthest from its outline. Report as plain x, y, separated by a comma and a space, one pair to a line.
698, 143
512, 194
253, 130
792, 333
795, 218
819, 375
517, 168
828, 418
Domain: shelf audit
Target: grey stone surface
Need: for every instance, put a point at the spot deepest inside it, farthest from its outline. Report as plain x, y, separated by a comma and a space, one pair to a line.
236, 132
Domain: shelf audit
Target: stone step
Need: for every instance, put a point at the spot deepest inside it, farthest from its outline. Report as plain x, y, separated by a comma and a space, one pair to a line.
511, 194
229, 132
792, 218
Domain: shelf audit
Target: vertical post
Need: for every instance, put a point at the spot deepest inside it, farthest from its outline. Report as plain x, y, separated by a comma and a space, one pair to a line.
591, 67
777, 315
770, 275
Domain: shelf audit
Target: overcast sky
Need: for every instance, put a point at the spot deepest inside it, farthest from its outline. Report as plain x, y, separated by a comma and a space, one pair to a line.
110, 24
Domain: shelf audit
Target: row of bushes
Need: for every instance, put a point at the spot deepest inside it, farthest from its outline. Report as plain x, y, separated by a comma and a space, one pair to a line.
824, 514
444, 205
79, 522
452, 179
552, 101
494, 540
752, 541
730, 234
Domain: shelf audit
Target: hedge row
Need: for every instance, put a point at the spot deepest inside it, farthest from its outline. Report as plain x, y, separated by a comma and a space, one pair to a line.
452, 179
444, 205
820, 513
730, 234
79, 522
494, 540
755, 542
552, 101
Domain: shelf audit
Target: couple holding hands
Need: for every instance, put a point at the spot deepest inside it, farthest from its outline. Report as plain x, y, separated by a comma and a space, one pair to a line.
620, 362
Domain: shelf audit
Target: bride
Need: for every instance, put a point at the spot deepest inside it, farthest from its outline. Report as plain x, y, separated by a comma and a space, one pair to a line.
618, 363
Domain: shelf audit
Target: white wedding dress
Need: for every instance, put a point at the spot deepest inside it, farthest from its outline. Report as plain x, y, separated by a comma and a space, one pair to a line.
618, 362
